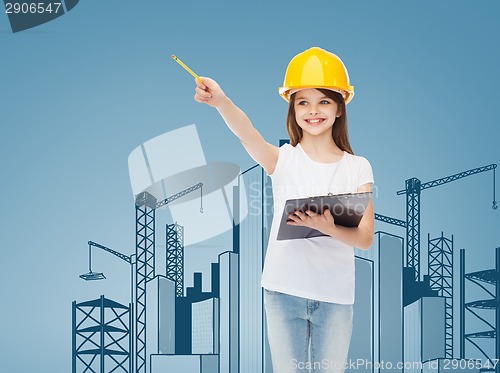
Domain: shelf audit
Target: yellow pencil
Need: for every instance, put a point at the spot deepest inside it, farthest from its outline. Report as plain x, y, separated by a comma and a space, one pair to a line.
185, 67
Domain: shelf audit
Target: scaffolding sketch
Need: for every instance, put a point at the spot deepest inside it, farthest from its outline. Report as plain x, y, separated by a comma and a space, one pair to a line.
102, 337
489, 282
175, 256
440, 263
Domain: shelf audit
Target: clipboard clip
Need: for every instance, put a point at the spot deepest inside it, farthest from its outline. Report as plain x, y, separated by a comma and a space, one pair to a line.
329, 195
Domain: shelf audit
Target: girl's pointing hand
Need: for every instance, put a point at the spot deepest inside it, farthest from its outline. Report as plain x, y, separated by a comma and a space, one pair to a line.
209, 92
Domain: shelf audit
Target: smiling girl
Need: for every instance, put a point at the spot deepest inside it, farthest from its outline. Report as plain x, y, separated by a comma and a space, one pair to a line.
308, 283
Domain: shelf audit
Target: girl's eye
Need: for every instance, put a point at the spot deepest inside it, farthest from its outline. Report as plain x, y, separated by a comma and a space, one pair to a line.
302, 103
324, 102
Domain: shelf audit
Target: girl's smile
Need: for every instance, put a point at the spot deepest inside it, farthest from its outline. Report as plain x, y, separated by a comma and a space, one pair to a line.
315, 121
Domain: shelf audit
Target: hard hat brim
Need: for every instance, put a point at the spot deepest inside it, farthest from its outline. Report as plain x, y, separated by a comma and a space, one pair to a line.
285, 91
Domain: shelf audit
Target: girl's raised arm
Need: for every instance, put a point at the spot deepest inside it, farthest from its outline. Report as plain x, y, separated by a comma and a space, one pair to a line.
210, 93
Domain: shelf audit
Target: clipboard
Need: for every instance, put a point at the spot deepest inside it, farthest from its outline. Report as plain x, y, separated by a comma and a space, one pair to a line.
347, 210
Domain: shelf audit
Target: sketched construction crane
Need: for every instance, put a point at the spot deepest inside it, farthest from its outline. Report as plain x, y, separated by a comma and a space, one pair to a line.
412, 225
92, 276
144, 260
413, 188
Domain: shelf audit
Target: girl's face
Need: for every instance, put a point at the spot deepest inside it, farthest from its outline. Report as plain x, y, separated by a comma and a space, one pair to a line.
315, 113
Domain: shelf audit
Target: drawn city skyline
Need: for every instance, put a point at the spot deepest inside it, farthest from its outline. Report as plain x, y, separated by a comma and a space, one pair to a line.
82, 91
223, 330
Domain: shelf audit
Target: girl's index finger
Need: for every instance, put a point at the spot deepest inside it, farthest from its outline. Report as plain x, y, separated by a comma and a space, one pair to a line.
199, 83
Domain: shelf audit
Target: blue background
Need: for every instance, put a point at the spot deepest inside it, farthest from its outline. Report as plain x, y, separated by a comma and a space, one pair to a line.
79, 93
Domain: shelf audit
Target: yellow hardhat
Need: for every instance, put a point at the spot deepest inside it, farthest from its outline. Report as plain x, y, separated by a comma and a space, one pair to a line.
316, 68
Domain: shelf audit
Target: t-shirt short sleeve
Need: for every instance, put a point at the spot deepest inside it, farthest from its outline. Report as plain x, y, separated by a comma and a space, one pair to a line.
365, 172
284, 151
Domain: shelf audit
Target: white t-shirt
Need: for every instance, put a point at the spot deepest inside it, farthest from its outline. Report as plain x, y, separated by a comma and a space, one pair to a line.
320, 268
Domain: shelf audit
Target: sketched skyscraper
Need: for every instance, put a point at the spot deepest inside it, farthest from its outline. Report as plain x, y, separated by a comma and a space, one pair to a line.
390, 305
424, 332
205, 327
254, 234
160, 333
228, 313
361, 348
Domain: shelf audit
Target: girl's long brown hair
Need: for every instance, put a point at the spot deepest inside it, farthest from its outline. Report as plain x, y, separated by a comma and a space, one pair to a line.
340, 132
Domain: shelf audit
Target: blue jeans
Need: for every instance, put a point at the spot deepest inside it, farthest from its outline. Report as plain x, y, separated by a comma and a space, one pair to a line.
307, 335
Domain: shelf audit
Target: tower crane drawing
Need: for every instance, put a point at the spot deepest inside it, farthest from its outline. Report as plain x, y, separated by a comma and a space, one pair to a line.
440, 260
99, 275
143, 261
93, 276
412, 224
413, 189
389, 220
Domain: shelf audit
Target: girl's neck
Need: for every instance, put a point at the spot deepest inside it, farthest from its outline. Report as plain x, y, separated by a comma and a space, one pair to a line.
321, 148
